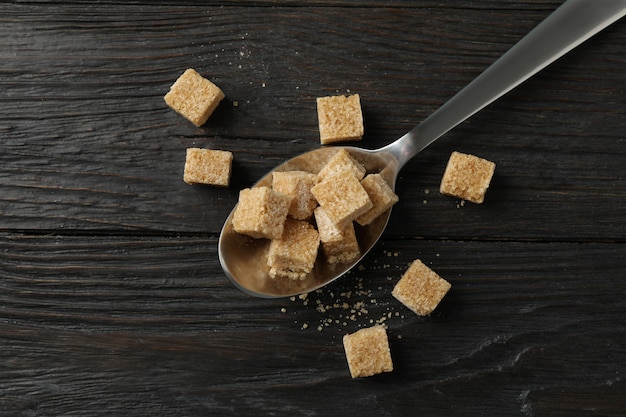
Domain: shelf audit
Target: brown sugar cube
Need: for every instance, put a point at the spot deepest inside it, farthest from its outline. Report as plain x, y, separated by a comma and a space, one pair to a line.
207, 166
343, 197
293, 254
261, 213
367, 351
420, 288
338, 244
194, 97
467, 177
341, 161
340, 118
297, 185
382, 197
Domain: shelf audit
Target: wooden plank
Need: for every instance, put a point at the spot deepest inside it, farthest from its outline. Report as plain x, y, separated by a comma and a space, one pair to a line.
88, 143
437, 4
150, 325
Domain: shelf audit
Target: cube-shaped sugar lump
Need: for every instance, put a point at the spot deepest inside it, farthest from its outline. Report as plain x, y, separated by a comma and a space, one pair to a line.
420, 288
293, 254
343, 197
367, 352
194, 97
261, 213
382, 197
207, 166
341, 161
338, 244
340, 118
467, 177
297, 185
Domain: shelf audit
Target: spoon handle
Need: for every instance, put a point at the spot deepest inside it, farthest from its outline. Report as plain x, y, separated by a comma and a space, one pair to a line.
571, 24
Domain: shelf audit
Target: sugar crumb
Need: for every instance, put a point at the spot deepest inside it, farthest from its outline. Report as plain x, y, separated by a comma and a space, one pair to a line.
351, 305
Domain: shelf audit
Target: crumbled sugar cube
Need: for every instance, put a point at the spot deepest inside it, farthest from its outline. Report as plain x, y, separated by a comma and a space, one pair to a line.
293, 254
343, 197
297, 185
207, 166
467, 177
382, 197
261, 213
340, 118
420, 288
338, 244
367, 352
341, 161
194, 97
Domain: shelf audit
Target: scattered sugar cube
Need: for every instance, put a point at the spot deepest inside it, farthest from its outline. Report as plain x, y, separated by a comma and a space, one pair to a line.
297, 185
367, 352
343, 197
467, 177
420, 289
341, 161
261, 213
207, 166
382, 197
194, 97
340, 118
293, 254
338, 244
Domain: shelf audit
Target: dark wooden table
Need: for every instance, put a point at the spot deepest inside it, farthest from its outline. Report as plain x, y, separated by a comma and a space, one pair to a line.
112, 299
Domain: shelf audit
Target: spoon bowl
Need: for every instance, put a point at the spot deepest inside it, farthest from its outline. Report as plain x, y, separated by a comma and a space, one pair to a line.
251, 275
244, 259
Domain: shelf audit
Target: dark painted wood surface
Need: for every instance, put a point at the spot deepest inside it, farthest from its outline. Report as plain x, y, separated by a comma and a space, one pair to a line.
112, 301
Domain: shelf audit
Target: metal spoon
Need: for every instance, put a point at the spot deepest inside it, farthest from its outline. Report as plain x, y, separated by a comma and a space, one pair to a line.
245, 259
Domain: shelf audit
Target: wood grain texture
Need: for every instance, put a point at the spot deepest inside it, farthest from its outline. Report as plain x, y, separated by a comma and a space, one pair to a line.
88, 140
112, 299
132, 331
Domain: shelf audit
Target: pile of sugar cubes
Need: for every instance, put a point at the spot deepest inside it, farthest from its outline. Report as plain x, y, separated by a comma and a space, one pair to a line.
302, 210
